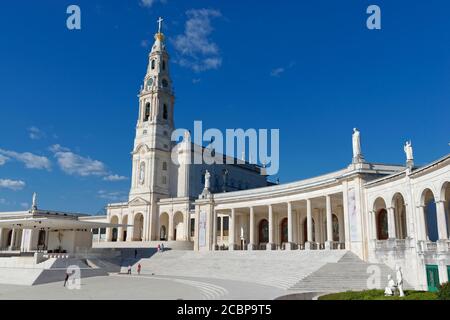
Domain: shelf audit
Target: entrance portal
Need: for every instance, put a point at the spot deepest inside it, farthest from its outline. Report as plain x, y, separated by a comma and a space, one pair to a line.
432, 277
284, 231
264, 231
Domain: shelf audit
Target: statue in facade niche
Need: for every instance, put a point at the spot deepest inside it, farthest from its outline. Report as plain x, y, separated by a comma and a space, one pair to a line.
142, 174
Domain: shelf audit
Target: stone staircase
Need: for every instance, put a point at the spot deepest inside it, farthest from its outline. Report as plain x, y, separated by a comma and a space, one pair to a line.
281, 269
349, 273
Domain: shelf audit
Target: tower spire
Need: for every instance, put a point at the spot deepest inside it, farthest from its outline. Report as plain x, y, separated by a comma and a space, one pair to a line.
160, 21
159, 35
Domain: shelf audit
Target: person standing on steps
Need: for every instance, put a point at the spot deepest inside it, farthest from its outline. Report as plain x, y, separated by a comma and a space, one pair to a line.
139, 269
129, 270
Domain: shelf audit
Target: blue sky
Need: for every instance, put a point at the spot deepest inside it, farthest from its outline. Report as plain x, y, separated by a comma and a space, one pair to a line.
68, 99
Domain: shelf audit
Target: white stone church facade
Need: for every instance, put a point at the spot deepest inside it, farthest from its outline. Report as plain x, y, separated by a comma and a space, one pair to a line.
395, 214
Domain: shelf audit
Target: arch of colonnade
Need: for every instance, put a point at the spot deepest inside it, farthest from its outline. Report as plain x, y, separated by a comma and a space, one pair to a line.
392, 217
317, 222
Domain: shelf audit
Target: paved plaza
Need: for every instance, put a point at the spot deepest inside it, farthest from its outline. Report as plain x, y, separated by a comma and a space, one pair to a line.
144, 287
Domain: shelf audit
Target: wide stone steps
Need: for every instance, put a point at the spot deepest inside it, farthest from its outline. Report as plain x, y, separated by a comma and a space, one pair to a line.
349, 273
281, 269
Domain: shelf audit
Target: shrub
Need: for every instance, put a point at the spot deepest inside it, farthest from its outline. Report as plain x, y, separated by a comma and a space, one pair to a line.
379, 295
444, 291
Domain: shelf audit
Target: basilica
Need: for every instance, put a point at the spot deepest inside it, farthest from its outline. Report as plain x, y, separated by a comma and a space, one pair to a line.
398, 215
392, 214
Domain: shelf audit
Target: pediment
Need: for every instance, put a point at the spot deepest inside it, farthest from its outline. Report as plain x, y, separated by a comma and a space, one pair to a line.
138, 202
141, 148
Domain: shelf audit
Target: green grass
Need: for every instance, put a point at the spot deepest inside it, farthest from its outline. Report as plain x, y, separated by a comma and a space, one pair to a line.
379, 295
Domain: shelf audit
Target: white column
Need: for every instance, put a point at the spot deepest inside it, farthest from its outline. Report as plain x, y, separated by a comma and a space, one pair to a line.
221, 228
231, 232
391, 223
187, 223
13, 239
120, 233
422, 223
309, 221
329, 223
441, 220
271, 244
373, 224
1, 238
108, 234
252, 244
214, 242
290, 222
291, 244
171, 226
130, 229
341, 226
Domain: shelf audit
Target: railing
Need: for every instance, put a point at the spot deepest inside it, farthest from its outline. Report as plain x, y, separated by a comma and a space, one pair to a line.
430, 246
391, 244
335, 245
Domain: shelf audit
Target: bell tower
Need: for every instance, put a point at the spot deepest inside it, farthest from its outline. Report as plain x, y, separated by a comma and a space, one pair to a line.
152, 145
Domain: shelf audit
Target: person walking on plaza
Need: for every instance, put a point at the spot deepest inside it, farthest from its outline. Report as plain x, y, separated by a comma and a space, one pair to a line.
139, 269
159, 248
129, 270
66, 279
162, 247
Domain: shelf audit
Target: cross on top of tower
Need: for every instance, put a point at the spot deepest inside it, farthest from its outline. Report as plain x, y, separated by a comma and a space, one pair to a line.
160, 21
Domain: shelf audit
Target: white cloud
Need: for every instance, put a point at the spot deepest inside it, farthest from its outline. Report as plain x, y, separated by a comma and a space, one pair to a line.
3, 159
194, 46
147, 3
277, 72
57, 148
112, 196
36, 133
77, 165
150, 3
145, 44
74, 164
31, 161
114, 177
25, 205
12, 184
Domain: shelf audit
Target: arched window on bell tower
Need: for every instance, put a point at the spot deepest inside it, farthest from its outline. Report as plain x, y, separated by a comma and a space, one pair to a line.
165, 112
153, 64
164, 65
147, 112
